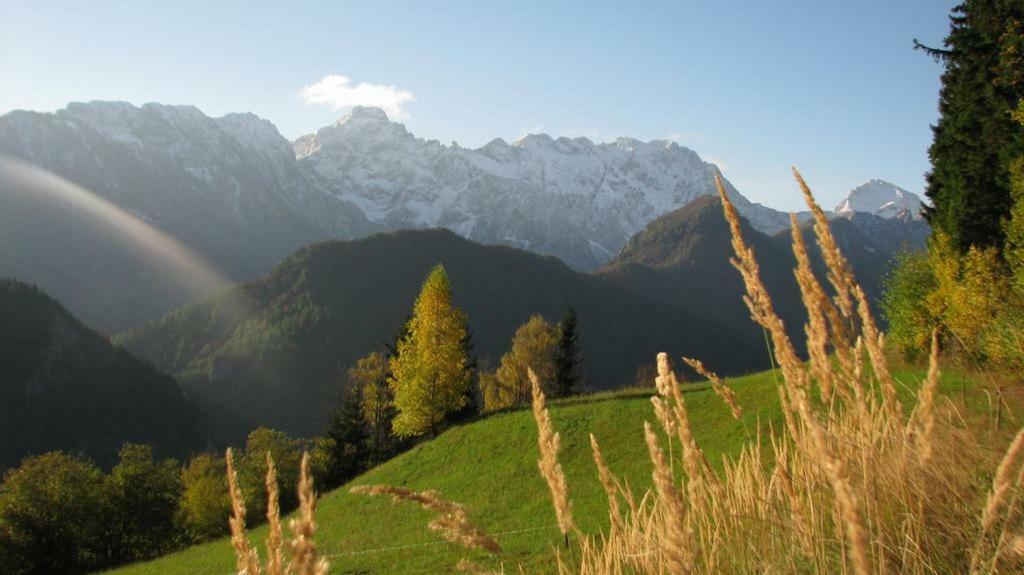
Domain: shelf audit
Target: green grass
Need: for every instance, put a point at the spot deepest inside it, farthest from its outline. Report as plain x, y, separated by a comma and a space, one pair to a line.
490, 467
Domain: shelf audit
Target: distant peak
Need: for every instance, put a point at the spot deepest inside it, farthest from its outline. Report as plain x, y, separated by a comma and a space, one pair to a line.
881, 198
534, 138
363, 114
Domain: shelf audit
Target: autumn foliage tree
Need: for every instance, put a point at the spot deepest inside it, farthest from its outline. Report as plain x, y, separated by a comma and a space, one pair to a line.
534, 346
370, 376
429, 376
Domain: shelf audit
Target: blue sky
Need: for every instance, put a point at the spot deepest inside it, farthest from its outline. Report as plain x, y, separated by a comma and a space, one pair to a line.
830, 86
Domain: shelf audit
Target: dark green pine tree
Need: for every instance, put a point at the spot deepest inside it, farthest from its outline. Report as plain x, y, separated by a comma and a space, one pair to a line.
474, 398
348, 455
976, 138
567, 356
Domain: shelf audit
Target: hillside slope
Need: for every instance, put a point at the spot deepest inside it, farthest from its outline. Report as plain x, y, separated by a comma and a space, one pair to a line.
682, 259
64, 387
490, 466
333, 302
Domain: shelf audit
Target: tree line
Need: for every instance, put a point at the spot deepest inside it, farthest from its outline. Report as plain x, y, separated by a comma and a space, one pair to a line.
61, 513
969, 285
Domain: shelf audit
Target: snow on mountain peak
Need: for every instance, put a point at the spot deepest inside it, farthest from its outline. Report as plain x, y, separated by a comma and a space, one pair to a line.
880, 198
362, 114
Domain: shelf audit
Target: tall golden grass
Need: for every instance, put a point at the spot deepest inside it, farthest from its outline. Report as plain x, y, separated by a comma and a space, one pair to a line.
850, 484
304, 559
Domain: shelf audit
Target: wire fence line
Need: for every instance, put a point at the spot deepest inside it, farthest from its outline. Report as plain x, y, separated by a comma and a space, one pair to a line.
428, 543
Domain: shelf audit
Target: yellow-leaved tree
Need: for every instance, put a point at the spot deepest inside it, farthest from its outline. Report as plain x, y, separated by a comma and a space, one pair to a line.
370, 375
430, 375
534, 346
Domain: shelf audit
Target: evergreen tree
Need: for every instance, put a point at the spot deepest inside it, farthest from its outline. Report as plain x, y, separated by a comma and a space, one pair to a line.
976, 137
474, 398
347, 454
429, 376
567, 356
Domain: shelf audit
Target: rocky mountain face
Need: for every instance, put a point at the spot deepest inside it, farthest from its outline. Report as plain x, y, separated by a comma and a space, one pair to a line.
239, 194
230, 188
570, 198
65, 387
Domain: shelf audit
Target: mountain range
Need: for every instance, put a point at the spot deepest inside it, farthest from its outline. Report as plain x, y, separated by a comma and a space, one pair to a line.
243, 197
670, 289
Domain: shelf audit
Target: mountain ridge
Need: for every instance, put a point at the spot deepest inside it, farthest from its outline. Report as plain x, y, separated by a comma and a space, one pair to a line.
64, 387
244, 197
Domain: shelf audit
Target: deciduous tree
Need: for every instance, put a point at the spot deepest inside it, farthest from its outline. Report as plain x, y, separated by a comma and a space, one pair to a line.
429, 376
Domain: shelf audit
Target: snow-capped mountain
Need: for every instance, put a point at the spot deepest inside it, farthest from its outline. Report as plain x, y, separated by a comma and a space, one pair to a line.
243, 196
882, 199
570, 198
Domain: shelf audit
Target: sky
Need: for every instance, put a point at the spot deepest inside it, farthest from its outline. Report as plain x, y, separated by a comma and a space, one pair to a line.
833, 87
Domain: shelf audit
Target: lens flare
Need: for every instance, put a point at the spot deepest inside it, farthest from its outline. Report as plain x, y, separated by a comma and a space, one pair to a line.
187, 270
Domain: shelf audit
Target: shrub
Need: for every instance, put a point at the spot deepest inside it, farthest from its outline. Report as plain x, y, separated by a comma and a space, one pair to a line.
204, 502
145, 497
55, 516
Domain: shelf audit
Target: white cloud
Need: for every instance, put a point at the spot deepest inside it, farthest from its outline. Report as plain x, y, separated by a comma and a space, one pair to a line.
338, 92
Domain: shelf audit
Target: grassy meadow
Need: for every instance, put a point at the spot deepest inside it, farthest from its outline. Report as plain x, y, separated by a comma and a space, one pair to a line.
490, 466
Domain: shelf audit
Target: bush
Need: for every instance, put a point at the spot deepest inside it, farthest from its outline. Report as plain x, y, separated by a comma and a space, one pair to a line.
204, 502
55, 516
905, 303
145, 496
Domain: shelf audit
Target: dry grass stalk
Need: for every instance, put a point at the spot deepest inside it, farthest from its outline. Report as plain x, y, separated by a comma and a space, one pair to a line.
817, 302
1003, 482
304, 560
676, 419
302, 546
784, 479
609, 484
839, 273
275, 562
247, 560
925, 413
676, 540
721, 389
846, 286
549, 443
452, 520
795, 376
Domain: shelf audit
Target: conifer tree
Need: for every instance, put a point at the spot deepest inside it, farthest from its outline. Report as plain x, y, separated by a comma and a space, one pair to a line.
976, 138
429, 376
346, 431
567, 356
